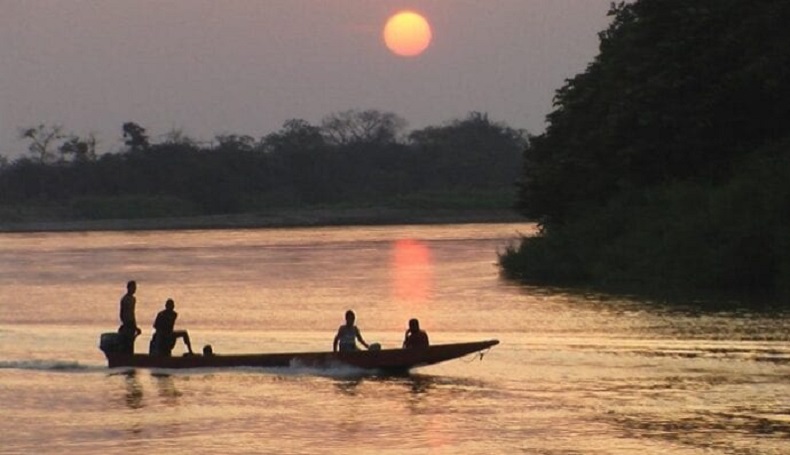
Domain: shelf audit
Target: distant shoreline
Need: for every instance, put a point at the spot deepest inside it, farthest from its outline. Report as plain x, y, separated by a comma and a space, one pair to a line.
279, 219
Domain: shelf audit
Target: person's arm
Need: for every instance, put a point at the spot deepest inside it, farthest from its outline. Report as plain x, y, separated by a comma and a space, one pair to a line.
359, 337
405, 338
334, 343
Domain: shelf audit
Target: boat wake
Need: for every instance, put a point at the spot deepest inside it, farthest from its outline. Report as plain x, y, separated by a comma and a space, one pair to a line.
335, 370
49, 365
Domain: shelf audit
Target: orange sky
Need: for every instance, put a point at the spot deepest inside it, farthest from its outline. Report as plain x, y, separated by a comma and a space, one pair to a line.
246, 66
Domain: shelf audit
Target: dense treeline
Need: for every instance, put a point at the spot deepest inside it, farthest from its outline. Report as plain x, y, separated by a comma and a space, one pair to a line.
356, 158
666, 163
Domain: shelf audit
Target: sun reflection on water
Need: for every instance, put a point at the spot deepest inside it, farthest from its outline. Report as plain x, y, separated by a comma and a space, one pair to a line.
412, 271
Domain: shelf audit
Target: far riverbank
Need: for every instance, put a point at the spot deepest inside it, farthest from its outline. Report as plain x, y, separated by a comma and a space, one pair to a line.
276, 219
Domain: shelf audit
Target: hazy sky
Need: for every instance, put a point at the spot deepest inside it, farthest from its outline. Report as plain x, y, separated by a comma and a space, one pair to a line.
210, 67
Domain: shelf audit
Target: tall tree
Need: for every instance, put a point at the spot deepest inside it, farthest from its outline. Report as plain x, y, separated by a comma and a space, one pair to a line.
42, 139
135, 136
234, 142
362, 127
78, 148
295, 135
666, 161
472, 151
680, 90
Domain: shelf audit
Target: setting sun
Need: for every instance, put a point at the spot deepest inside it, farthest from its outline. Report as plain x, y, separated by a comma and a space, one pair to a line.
407, 34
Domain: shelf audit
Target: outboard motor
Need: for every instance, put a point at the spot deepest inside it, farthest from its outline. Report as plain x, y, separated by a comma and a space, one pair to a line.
111, 342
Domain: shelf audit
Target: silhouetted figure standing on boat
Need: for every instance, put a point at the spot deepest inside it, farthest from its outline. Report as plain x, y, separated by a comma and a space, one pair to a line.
164, 339
128, 329
347, 335
415, 337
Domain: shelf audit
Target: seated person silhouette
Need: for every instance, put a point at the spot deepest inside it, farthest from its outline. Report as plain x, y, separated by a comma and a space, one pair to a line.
415, 337
347, 335
165, 337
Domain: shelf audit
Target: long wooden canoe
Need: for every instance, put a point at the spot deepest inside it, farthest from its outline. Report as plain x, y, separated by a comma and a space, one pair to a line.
385, 360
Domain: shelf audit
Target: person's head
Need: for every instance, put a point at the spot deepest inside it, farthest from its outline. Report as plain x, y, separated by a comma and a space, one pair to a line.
131, 287
350, 317
170, 304
414, 325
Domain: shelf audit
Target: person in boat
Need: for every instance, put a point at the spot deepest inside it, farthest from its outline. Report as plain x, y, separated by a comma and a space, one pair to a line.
347, 335
415, 337
164, 339
128, 330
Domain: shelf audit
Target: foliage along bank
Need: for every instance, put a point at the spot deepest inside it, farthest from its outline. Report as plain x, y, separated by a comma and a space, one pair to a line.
666, 163
352, 159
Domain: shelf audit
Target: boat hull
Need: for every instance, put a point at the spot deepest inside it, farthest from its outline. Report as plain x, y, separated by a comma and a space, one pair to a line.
386, 360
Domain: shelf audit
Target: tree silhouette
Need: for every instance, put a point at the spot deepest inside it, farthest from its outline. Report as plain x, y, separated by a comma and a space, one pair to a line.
42, 138
134, 136
362, 127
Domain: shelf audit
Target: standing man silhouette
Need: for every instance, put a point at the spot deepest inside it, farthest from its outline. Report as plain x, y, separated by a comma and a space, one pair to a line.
128, 329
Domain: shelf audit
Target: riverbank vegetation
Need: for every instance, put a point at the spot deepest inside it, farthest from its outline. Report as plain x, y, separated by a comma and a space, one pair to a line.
352, 160
666, 164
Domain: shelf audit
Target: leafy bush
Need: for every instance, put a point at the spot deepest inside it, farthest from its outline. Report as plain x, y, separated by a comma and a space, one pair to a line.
665, 163
685, 235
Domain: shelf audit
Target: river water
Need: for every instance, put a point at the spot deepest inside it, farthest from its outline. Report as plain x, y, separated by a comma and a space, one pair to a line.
575, 373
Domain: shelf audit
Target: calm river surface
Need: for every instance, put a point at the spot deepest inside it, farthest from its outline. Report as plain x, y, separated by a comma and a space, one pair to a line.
574, 373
